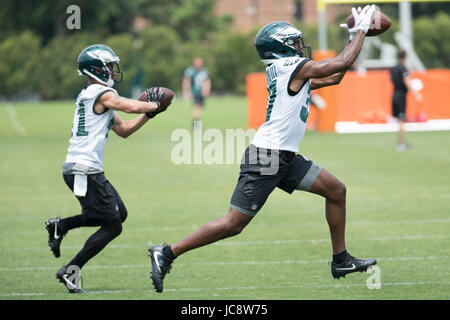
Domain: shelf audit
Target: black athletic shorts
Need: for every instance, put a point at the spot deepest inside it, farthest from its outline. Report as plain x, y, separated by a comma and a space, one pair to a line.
262, 170
101, 202
399, 104
199, 100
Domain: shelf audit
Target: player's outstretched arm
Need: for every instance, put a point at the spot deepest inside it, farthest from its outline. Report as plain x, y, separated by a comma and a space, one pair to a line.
125, 128
328, 81
111, 100
342, 62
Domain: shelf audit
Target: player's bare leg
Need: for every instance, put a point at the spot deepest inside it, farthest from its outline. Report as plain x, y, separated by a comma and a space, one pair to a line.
334, 192
401, 144
197, 112
230, 225
401, 132
162, 256
196, 115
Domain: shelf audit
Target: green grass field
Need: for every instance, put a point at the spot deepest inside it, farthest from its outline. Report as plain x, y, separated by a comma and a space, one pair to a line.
398, 210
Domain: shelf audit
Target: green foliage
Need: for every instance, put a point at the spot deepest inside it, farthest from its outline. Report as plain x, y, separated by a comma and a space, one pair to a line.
128, 50
47, 18
232, 56
159, 61
190, 19
20, 58
431, 41
43, 61
58, 66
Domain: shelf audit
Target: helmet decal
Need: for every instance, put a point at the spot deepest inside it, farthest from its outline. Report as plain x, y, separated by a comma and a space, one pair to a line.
105, 56
288, 32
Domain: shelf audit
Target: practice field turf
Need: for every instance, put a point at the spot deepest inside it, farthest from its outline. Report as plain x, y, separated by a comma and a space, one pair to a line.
398, 207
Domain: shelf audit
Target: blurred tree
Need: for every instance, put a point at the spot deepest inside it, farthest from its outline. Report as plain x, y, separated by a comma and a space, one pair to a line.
431, 43
47, 18
421, 9
191, 19
18, 65
57, 66
231, 56
160, 61
129, 51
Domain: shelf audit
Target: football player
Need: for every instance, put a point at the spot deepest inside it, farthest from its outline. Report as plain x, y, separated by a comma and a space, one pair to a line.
94, 116
271, 160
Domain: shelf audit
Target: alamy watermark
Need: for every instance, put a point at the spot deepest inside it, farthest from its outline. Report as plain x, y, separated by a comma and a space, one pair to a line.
374, 281
212, 146
73, 278
74, 20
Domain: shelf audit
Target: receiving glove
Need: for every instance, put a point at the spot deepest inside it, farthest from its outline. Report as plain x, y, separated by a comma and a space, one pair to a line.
154, 96
363, 18
351, 34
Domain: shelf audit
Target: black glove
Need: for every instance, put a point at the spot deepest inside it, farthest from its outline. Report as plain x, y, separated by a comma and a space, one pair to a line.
154, 96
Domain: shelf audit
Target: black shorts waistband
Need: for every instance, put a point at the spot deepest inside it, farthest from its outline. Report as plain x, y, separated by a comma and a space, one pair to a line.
284, 154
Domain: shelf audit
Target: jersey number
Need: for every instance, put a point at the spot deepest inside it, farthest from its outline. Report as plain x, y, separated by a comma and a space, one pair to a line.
110, 125
304, 113
81, 121
272, 95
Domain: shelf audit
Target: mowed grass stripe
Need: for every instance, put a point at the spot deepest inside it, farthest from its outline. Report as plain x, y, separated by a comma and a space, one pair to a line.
337, 286
256, 242
223, 263
20, 231
398, 200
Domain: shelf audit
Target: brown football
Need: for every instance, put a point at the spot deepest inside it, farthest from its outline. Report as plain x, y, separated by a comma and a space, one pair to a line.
166, 100
380, 23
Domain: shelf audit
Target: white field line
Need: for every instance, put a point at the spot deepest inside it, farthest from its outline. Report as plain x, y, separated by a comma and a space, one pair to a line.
245, 242
150, 290
221, 263
355, 127
14, 121
256, 225
306, 224
269, 242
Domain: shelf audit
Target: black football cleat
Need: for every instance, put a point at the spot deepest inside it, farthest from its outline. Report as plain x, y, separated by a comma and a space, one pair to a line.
64, 277
351, 264
55, 235
160, 266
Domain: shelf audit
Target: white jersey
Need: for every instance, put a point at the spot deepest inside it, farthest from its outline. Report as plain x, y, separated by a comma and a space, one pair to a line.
287, 111
89, 132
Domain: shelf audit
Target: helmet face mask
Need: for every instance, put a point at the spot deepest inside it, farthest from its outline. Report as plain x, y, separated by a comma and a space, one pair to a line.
114, 71
279, 40
100, 63
299, 45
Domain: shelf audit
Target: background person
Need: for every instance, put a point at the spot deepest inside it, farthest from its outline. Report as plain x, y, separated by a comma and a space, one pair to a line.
402, 84
196, 86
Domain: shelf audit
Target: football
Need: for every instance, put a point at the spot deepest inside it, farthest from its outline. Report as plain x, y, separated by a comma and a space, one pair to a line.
166, 100
380, 23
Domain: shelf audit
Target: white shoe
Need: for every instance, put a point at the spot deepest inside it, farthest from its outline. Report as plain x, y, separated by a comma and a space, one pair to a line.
402, 147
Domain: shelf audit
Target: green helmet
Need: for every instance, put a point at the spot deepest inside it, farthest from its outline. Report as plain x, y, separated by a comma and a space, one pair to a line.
94, 60
277, 40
